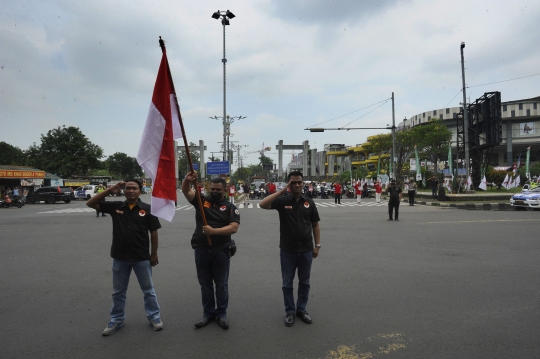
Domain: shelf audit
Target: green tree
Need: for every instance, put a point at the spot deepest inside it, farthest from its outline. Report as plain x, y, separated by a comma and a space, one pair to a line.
121, 166
66, 152
11, 155
183, 163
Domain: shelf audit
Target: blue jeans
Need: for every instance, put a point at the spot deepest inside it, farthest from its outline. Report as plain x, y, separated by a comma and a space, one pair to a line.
213, 267
121, 273
290, 261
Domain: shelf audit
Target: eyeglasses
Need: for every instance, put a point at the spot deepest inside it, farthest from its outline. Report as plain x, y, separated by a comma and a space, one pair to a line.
296, 182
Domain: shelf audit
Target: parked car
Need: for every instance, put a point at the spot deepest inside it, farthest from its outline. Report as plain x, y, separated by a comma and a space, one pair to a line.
527, 198
51, 195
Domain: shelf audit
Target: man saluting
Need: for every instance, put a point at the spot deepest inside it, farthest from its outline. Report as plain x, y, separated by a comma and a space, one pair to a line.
299, 226
132, 222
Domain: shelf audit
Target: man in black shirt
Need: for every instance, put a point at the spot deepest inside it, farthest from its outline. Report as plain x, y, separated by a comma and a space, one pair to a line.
213, 261
132, 221
299, 226
395, 198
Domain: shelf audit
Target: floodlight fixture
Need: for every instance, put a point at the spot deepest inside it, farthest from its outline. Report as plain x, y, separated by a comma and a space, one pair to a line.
225, 21
216, 15
229, 14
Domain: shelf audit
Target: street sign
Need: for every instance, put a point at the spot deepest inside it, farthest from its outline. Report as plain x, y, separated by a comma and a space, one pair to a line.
196, 166
217, 168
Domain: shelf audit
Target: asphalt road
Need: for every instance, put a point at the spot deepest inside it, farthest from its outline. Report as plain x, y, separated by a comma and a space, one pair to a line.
441, 283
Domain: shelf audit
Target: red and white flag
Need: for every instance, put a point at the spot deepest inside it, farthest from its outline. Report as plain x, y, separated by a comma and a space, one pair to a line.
156, 152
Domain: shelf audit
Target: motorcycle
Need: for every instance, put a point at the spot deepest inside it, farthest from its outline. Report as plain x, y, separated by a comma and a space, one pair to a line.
368, 193
350, 193
262, 193
252, 194
8, 202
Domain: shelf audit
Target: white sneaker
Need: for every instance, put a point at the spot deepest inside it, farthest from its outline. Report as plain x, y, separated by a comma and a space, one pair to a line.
112, 327
157, 324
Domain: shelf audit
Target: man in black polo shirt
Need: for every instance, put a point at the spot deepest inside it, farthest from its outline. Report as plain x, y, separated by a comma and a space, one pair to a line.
132, 222
394, 193
299, 226
213, 261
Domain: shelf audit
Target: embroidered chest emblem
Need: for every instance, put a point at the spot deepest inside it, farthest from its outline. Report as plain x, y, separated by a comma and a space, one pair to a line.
142, 213
306, 204
222, 208
119, 211
206, 204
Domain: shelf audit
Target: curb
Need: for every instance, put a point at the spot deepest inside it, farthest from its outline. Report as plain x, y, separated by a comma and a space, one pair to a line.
470, 206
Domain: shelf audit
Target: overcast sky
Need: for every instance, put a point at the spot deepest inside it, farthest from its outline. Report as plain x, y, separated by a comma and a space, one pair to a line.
291, 64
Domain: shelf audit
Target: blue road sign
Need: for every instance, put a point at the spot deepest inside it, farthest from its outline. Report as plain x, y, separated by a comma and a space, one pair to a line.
196, 166
217, 168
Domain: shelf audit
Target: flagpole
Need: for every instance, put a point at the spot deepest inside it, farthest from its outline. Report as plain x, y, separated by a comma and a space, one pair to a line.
186, 144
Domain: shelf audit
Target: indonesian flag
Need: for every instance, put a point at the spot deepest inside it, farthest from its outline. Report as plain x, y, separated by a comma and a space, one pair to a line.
483, 184
156, 151
469, 183
517, 181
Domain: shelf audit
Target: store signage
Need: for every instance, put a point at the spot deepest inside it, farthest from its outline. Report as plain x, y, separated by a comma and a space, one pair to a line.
21, 174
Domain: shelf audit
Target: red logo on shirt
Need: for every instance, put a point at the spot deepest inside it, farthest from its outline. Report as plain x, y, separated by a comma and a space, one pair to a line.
142, 213
222, 208
306, 204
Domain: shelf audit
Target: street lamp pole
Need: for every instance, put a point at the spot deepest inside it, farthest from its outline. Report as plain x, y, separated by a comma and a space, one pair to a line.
225, 16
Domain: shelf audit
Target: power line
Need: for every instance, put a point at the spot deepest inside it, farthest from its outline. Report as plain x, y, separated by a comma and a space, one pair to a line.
517, 78
335, 118
367, 113
453, 98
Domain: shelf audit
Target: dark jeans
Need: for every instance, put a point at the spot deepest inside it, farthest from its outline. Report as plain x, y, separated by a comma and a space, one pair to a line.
393, 203
337, 198
213, 268
434, 193
290, 261
411, 196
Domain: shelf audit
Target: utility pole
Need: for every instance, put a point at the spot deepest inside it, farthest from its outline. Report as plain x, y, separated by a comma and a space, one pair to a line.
393, 140
465, 115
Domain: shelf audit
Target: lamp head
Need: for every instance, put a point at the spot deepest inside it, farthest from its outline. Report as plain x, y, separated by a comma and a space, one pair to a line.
229, 14
225, 21
216, 15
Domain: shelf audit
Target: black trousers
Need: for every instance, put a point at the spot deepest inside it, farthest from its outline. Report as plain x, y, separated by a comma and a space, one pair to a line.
337, 198
393, 204
411, 197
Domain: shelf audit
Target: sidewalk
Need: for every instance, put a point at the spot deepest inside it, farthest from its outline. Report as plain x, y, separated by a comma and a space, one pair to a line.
472, 201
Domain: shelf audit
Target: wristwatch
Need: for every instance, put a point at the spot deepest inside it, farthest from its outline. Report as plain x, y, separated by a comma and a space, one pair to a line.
318, 245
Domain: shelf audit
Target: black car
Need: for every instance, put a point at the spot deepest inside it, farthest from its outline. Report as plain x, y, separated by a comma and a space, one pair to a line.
51, 195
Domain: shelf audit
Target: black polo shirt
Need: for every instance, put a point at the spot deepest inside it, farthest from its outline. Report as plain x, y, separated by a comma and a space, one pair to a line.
218, 214
295, 222
394, 192
131, 228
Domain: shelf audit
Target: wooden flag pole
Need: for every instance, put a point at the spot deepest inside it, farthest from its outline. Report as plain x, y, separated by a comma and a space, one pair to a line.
186, 145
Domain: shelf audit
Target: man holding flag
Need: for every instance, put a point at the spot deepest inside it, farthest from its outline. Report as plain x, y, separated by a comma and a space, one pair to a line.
213, 259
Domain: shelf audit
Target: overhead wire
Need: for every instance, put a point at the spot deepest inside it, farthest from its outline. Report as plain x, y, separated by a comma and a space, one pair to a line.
363, 108
367, 113
497, 82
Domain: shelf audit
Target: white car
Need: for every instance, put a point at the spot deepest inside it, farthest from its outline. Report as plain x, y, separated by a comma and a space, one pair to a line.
86, 191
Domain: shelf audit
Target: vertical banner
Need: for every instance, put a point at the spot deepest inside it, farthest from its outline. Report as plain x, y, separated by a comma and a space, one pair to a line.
418, 164
527, 173
450, 163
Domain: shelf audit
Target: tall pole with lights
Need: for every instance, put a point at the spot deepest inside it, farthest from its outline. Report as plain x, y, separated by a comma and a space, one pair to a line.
225, 17
465, 116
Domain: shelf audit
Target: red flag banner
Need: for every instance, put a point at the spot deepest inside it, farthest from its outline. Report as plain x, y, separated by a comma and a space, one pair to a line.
156, 152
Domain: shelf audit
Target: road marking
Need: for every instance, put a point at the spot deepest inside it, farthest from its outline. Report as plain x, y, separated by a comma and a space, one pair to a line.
489, 221
70, 210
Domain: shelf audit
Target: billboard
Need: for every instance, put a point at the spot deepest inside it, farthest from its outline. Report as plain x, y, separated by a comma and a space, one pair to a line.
217, 168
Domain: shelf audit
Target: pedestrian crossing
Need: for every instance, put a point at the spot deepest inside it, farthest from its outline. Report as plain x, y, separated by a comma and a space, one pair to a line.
247, 205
